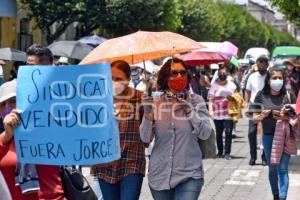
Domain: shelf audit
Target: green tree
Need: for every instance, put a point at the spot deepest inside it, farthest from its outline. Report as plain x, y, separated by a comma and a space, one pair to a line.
291, 8
62, 14
112, 17
201, 20
126, 16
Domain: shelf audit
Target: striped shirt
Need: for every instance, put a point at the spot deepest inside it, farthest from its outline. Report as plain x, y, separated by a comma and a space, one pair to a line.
219, 94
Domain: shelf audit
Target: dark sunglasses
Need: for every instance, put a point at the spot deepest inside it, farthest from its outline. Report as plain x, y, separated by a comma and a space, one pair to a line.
175, 73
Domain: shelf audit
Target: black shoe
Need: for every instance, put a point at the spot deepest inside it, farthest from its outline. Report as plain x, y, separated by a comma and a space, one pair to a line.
276, 197
263, 160
220, 155
252, 162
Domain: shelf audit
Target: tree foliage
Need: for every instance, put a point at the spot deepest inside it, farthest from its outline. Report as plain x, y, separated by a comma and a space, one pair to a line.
202, 20
114, 17
290, 8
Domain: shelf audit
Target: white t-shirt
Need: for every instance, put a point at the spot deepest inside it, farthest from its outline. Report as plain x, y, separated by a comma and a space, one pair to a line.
255, 83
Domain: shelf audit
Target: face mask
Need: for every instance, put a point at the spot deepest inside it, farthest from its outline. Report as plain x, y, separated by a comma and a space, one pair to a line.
118, 88
276, 85
178, 84
262, 71
156, 93
5, 112
222, 77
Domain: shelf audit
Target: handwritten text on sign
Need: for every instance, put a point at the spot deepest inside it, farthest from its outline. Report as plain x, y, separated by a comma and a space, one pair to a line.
67, 115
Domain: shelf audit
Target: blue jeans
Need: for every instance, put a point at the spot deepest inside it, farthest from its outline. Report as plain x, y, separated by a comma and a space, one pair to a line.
277, 171
129, 188
189, 189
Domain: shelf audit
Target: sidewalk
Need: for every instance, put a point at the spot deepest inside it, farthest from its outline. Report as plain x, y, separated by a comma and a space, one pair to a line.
235, 179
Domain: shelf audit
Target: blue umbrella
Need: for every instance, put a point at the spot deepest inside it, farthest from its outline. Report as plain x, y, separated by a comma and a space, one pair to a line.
92, 40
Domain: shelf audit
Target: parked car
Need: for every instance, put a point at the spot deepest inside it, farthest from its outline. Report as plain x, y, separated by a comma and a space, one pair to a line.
253, 53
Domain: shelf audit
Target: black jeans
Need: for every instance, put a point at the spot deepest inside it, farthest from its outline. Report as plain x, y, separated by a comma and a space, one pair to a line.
222, 125
252, 136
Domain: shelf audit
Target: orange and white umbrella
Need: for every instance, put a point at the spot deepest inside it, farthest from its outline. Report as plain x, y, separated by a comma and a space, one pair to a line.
141, 46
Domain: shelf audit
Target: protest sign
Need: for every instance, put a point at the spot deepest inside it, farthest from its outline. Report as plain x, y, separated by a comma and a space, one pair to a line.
66, 115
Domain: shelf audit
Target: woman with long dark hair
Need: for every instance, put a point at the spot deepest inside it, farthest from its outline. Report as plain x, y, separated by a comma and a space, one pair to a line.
268, 105
176, 120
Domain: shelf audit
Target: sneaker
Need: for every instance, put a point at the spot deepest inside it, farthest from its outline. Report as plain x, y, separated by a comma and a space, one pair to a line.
219, 155
252, 162
227, 157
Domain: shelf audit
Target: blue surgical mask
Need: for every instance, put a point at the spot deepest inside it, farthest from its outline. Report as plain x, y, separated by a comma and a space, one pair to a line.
276, 85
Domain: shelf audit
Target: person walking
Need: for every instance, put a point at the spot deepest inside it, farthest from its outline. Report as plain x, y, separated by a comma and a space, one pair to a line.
254, 84
219, 92
176, 120
269, 103
36, 181
123, 178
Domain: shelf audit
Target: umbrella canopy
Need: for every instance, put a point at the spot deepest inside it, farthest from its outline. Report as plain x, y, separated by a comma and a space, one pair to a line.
12, 54
214, 52
226, 49
286, 50
201, 58
70, 49
141, 46
235, 62
94, 40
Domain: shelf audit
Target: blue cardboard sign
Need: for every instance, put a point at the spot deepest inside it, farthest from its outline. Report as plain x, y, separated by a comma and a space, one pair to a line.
66, 115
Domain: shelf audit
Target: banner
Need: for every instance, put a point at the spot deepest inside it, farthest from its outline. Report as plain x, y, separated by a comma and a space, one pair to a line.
66, 115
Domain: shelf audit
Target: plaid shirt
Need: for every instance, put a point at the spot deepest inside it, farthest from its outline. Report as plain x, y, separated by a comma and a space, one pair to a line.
132, 159
220, 108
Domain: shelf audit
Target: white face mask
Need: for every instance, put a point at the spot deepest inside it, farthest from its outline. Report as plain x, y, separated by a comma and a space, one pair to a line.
276, 85
118, 88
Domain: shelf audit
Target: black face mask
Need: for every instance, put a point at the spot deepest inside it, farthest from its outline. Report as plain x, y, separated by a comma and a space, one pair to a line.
262, 71
222, 77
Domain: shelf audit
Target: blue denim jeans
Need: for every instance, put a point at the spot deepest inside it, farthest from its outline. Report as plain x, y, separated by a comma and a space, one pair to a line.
189, 189
129, 188
277, 171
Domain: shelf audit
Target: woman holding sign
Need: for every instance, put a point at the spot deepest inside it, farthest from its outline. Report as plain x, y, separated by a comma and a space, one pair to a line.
25, 181
122, 179
176, 120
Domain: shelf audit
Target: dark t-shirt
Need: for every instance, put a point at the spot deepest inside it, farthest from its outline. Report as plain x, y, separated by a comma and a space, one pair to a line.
269, 102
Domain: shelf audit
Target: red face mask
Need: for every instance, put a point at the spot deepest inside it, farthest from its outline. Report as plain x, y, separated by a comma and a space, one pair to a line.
178, 84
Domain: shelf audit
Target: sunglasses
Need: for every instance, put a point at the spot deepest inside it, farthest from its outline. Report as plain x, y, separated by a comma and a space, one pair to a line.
175, 73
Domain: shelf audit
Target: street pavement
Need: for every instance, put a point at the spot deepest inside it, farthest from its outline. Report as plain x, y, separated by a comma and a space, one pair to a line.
235, 179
